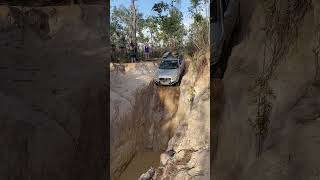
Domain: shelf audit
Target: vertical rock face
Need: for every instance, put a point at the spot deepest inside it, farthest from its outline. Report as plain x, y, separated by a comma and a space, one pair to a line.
141, 113
269, 123
53, 108
188, 152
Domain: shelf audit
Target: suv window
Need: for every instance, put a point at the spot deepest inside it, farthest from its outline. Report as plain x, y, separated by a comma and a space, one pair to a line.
169, 64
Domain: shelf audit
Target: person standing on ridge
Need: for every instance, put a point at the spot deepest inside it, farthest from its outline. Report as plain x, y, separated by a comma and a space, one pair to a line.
132, 52
146, 51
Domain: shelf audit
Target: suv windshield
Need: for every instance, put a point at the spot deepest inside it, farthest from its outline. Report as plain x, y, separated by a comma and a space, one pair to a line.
169, 64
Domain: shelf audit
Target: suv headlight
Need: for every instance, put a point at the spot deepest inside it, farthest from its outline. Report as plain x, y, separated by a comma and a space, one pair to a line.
155, 77
175, 78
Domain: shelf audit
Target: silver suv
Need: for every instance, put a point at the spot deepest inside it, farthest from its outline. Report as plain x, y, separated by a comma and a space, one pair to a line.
170, 70
225, 26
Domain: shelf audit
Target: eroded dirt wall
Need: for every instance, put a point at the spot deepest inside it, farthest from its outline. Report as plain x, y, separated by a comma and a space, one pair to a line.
53, 121
187, 155
141, 113
269, 120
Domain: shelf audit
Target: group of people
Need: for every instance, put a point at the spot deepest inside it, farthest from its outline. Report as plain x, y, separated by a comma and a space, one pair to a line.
134, 50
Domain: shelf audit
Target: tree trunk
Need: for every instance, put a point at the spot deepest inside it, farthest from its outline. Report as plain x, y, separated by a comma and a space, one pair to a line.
151, 43
134, 22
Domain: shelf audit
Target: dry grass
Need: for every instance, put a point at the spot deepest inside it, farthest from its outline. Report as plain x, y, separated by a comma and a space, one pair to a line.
199, 61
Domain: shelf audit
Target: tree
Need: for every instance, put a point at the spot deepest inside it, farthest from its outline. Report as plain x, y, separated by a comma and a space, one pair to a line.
170, 23
120, 24
126, 26
127, 22
152, 26
133, 31
141, 25
199, 29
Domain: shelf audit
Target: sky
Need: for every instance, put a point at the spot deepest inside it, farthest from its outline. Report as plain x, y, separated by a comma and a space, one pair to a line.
145, 6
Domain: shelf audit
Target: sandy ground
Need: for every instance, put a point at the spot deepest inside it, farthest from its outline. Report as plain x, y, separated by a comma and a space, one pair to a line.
187, 155
141, 117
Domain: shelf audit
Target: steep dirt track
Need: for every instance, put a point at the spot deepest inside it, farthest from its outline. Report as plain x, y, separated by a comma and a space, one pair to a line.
187, 152
156, 119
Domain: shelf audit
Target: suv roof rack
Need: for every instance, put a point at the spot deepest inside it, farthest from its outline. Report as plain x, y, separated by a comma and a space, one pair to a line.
165, 55
171, 54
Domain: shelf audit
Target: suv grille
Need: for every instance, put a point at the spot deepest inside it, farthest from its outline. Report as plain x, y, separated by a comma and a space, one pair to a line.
165, 79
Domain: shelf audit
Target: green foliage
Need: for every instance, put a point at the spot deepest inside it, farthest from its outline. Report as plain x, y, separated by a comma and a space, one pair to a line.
195, 3
199, 30
166, 28
160, 7
198, 18
170, 24
197, 6
198, 34
151, 23
141, 25
120, 22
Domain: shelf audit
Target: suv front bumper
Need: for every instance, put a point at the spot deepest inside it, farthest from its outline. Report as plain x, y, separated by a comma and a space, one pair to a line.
165, 83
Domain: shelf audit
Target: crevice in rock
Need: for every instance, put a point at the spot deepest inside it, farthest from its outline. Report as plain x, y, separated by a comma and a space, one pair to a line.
147, 124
